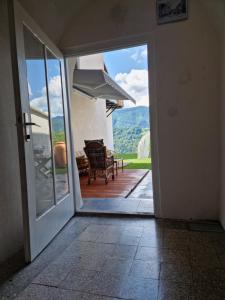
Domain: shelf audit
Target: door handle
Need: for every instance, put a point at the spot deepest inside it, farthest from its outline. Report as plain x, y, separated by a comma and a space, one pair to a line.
27, 123
31, 124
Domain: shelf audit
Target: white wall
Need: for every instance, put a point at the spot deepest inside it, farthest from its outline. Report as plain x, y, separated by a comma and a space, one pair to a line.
187, 74
70, 65
109, 137
91, 62
222, 203
88, 120
11, 235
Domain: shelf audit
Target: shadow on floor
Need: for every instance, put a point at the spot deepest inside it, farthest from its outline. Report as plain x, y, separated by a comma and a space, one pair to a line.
97, 258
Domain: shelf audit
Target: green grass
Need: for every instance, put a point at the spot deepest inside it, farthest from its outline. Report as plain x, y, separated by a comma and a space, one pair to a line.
61, 170
134, 163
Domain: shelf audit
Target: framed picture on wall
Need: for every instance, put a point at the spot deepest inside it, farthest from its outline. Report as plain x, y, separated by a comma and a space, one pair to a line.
171, 10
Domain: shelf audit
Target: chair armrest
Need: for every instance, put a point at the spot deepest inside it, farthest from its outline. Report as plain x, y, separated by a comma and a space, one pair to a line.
110, 160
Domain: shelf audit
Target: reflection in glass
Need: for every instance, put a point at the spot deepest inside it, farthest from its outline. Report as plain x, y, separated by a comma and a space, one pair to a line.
42, 151
58, 125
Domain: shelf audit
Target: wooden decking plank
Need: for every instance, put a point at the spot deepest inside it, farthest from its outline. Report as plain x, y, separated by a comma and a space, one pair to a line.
120, 187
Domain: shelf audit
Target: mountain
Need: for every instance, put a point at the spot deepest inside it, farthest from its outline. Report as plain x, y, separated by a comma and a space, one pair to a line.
131, 117
58, 124
129, 125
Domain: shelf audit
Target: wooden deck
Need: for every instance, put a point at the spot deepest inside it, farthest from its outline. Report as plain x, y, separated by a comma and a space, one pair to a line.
124, 182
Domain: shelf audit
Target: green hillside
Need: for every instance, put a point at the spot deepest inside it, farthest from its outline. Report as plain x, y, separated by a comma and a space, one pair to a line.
131, 117
129, 125
58, 124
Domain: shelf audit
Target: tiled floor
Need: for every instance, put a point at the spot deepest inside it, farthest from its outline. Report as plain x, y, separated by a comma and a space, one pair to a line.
140, 201
112, 258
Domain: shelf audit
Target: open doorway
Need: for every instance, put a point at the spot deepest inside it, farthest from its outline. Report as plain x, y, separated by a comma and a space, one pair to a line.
110, 108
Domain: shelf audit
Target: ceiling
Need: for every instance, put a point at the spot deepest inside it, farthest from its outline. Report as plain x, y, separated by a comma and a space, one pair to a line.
54, 15
57, 16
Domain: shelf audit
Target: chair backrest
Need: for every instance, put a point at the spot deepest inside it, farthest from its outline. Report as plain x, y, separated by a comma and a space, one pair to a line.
96, 154
86, 142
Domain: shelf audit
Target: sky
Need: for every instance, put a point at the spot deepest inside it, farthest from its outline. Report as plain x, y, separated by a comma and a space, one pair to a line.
129, 68
37, 86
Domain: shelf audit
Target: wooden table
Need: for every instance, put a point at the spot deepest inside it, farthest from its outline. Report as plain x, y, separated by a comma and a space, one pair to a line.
116, 162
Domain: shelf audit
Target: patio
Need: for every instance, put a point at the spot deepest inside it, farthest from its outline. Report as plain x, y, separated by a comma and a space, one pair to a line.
130, 193
123, 184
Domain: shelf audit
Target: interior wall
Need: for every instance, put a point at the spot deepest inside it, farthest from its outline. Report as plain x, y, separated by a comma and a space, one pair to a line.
187, 75
188, 98
222, 203
11, 233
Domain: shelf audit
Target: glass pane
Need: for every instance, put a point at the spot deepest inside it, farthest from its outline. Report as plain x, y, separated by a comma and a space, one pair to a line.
58, 125
42, 150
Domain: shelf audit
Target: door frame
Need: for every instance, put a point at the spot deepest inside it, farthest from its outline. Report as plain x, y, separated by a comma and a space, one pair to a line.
15, 10
128, 42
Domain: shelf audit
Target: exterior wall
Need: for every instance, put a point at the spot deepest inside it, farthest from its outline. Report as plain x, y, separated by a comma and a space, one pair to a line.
11, 232
88, 120
109, 128
93, 61
187, 93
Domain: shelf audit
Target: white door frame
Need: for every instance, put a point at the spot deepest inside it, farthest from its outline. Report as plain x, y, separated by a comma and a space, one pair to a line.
58, 215
127, 42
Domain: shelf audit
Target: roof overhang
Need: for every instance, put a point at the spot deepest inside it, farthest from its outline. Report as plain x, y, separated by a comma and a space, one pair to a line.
98, 84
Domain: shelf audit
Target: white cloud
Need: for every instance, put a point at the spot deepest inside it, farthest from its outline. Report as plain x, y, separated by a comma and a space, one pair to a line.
140, 54
135, 83
29, 90
135, 55
144, 52
40, 104
54, 86
55, 93
125, 50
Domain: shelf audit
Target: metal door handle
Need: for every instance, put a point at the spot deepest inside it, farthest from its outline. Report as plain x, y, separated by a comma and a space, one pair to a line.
27, 123
31, 124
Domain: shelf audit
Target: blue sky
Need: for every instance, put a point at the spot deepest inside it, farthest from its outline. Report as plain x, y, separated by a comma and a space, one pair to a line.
37, 85
129, 67
126, 59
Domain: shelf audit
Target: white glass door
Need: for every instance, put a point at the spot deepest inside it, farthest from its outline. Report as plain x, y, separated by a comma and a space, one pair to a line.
49, 203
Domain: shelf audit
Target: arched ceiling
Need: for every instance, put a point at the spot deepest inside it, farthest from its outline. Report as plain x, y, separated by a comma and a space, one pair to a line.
58, 18
53, 16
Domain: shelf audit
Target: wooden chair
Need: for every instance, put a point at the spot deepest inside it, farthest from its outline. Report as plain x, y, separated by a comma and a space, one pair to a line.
99, 164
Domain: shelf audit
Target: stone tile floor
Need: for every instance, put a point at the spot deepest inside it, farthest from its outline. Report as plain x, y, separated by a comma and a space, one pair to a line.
140, 201
125, 258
